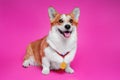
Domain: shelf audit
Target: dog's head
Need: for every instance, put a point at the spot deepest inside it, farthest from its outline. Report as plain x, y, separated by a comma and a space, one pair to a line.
64, 24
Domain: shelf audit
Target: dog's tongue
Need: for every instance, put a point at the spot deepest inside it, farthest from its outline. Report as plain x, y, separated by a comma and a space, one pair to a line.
67, 35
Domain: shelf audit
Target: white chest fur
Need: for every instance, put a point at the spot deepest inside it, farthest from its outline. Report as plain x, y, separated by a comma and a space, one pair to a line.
62, 46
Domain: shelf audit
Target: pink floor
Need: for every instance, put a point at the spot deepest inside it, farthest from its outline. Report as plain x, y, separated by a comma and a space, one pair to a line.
98, 54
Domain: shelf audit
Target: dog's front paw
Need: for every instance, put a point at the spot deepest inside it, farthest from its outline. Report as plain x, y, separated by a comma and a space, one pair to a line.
69, 70
45, 71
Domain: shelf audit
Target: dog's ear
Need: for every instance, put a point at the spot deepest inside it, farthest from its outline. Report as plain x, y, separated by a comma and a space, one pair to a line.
76, 13
52, 13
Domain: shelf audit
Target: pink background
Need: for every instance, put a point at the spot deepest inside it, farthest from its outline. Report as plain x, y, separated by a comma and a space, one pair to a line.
98, 54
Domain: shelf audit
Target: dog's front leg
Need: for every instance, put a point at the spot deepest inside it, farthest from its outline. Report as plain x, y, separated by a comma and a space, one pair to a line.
68, 60
45, 65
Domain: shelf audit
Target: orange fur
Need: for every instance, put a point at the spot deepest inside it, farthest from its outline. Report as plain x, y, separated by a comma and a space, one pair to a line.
74, 21
36, 49
55, 21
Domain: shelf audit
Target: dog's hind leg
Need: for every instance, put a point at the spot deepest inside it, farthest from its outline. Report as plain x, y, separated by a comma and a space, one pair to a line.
29, 58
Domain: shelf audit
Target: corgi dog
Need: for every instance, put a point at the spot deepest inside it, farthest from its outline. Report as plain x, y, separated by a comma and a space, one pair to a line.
56, 50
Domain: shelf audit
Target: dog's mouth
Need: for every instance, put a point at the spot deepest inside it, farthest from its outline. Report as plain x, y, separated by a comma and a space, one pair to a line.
66, 34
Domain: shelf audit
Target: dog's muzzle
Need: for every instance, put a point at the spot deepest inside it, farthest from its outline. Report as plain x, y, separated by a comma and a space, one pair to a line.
66, 34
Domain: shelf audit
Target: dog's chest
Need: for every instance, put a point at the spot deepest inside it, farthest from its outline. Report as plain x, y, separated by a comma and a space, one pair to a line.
60, 45
57, 44
63, 47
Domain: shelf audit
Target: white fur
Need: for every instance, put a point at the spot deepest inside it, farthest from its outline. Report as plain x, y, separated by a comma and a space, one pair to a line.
45, 65
30, 61
76, 13
51, 12
69, 69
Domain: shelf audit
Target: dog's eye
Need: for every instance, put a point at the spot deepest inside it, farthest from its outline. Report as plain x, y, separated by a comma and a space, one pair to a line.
71, 21
60, 21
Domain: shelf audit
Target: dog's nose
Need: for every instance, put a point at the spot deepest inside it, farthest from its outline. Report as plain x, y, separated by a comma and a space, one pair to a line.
67, 26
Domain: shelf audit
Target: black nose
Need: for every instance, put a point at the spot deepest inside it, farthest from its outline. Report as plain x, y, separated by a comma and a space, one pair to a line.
67, 26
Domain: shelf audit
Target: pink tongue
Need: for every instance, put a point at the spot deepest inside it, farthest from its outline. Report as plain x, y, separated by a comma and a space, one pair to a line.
67, 35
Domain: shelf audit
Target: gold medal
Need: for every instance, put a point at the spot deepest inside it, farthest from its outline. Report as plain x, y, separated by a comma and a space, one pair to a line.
63, 65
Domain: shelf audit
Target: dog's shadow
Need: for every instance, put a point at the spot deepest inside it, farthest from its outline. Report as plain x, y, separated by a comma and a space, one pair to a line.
60, 71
